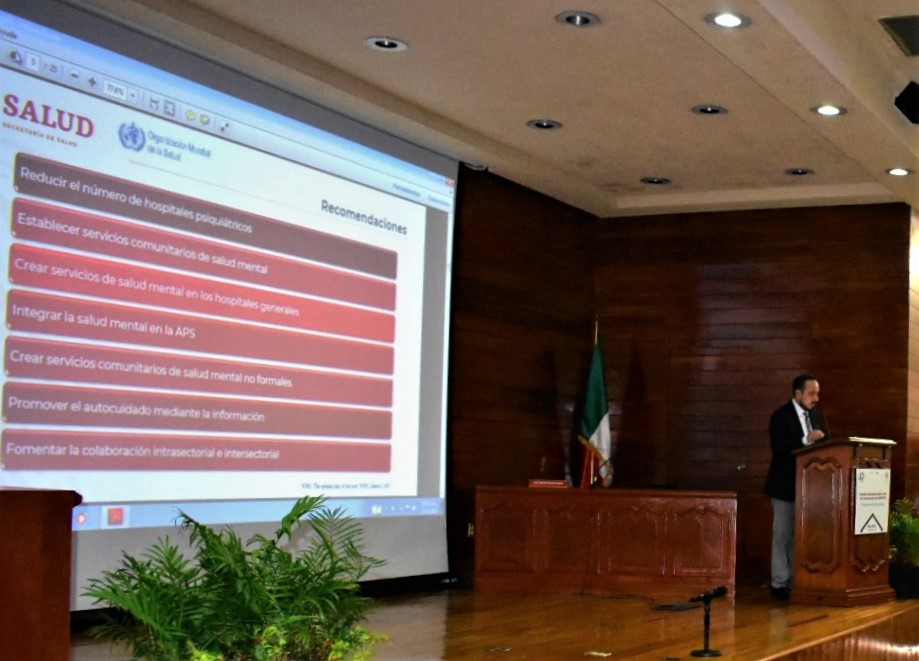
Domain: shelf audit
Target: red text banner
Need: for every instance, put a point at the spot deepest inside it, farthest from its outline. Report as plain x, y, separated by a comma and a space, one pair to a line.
60, 271
34, 404
57, 315
57, 181
52, 450
49, 224
53, 360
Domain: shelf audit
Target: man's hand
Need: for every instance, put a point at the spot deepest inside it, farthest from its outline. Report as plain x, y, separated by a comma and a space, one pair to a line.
815, 435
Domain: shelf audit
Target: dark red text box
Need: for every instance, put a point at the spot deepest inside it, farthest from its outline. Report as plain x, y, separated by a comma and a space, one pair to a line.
58, 315
55, 270
49, 224
40, 177
41, 404
53, 450
64, 361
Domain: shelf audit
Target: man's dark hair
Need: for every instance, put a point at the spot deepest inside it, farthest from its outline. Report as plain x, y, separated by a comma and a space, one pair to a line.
800, 380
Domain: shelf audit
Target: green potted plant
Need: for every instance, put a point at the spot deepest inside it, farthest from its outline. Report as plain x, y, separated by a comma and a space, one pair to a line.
904, 548
236, 601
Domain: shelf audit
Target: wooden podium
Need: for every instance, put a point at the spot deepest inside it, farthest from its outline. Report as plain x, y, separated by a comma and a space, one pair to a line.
841, 546
35, 573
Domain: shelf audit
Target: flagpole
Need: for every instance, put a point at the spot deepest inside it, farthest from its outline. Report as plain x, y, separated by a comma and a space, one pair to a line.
588, 472
594, 431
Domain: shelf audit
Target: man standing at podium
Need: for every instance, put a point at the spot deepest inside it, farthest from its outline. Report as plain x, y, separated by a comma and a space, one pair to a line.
793, 425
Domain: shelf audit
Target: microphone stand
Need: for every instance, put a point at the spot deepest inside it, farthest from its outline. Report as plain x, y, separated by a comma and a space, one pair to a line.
706, 599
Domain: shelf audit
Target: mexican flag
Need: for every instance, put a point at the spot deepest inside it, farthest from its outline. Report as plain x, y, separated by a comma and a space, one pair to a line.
594, 432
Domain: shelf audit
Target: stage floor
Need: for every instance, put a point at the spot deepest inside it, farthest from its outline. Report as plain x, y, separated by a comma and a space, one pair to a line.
467, 625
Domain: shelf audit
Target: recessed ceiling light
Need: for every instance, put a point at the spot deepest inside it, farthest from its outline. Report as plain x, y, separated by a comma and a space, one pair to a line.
386, 44
899, 172
578, 19
655, 181
709, 109
799, 172
728, 20
828, 110
544, 124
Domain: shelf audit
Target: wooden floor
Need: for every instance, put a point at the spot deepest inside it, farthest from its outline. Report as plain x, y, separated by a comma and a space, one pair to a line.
466, 625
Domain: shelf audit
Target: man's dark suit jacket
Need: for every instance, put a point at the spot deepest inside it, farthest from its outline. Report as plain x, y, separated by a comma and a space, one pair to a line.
785, 434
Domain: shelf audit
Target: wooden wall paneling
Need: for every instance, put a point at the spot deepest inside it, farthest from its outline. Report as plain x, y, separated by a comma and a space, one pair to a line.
734, 305
522, 311
754, 536
705, 318
637, 387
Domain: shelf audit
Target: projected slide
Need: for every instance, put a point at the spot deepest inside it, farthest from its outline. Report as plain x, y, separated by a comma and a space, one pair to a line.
191, 334
199, 303
217, 297
208, 303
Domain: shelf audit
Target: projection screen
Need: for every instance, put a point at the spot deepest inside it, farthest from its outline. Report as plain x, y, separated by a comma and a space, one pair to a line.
219, 297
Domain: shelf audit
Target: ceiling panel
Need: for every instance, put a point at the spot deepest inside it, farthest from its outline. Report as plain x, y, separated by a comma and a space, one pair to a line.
476, 71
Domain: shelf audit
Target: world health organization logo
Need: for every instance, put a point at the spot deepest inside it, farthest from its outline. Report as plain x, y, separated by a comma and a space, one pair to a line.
131, 136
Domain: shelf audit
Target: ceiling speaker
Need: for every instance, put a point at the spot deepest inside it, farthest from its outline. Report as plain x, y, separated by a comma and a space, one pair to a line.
908, 102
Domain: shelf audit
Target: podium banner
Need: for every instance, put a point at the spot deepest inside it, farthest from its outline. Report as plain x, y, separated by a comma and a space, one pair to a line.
872, 500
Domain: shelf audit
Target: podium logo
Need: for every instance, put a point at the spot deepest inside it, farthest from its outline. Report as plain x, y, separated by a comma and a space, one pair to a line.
50, 117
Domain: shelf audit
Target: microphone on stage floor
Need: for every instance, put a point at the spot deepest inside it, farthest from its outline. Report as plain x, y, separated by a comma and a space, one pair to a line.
706, 599
720, 591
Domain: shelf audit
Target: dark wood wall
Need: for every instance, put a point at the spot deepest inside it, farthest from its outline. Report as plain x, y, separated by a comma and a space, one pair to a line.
521, 341
705, 319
